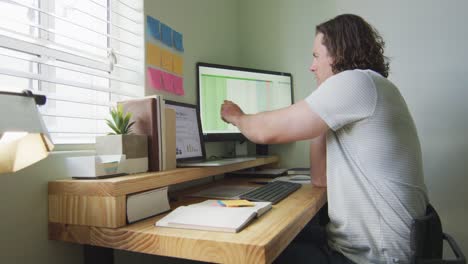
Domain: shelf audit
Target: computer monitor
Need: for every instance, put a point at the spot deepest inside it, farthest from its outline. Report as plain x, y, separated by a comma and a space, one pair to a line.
252, 89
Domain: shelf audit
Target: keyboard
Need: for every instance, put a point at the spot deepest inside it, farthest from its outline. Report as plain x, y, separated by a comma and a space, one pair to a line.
272, 192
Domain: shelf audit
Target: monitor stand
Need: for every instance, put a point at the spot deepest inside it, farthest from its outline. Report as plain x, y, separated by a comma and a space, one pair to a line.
241, 148
261, 150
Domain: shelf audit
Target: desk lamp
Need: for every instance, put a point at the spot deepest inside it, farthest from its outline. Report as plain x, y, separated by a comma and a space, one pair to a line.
23, 137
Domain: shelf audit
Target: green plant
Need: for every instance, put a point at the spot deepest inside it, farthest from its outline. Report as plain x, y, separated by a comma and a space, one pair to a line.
120, 122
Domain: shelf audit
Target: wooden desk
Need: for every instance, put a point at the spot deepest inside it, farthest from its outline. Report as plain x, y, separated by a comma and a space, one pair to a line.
260, 242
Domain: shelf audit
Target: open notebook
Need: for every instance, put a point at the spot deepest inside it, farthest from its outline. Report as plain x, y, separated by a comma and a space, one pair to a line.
211, 216
190, 148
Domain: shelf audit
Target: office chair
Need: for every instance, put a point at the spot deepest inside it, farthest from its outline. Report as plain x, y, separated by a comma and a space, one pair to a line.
427, 240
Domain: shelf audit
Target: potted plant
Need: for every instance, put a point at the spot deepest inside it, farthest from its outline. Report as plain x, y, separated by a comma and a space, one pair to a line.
122, 142
120, 122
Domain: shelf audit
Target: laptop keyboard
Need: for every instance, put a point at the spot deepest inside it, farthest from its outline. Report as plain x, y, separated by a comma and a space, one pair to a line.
227, 161
272, 192
213, 163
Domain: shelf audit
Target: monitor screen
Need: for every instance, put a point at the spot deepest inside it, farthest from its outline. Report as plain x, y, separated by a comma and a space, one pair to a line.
253, 90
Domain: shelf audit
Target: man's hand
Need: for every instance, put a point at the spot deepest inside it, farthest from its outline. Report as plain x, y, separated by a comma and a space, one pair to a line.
230, 112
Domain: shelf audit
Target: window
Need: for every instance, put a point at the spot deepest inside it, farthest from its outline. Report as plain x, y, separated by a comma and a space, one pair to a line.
84, 55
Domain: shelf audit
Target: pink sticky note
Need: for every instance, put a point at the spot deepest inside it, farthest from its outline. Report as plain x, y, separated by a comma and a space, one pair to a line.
154, 78
179, 85
168, 82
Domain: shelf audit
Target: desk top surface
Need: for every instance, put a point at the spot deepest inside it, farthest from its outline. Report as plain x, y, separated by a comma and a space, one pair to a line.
260, 242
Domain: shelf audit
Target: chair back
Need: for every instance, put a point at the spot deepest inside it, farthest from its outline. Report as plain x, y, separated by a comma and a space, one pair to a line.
427, 236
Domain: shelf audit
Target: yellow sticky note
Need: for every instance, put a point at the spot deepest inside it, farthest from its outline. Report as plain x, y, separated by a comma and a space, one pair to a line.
153, 55
178, 64
166, 60
237, 203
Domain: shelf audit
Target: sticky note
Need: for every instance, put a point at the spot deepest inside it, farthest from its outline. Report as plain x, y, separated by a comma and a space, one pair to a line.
166, 32
153, 55
177, 64
166, 60
237, 203
167, 82
177, 40
178, 83
153, 28
154, 78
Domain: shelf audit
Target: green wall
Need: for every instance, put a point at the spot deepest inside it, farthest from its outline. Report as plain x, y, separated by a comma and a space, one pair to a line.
23, 207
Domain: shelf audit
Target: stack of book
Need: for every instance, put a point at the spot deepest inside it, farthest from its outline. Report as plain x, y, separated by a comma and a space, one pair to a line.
153, 119
146, 204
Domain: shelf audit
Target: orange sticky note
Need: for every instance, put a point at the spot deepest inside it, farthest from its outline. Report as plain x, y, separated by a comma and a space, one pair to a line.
166, 60
153, 55
178, 64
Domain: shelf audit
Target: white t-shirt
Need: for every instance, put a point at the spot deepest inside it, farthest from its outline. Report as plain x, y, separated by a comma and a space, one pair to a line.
374, 167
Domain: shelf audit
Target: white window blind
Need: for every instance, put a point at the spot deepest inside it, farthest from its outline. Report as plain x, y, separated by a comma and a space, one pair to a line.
84, 55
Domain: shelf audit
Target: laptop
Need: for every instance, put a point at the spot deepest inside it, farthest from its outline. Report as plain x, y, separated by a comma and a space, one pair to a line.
190, 148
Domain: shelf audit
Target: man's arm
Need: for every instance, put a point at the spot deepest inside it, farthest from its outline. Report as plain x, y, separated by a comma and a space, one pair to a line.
318, 160
293, 123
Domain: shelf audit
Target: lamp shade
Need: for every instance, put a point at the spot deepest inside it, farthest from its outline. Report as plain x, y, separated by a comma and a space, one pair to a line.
23, 137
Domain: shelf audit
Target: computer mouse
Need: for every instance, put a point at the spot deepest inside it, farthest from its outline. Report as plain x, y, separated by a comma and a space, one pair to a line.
300, 178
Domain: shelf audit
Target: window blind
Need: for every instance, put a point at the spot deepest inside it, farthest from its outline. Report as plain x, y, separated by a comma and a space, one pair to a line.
84, 55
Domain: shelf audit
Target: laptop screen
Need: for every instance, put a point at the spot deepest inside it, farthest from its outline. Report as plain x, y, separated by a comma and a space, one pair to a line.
189, 143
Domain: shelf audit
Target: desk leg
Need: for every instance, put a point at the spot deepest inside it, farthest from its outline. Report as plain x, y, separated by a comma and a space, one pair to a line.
98, 255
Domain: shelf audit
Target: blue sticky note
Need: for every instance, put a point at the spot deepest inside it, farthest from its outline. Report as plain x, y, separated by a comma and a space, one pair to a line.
178, 40
153, 27
166, 34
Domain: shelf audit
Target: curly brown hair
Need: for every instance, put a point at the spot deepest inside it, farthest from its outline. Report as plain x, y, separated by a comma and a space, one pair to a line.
353, 44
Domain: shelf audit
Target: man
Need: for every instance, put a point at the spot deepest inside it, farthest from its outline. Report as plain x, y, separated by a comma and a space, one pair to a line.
364, 146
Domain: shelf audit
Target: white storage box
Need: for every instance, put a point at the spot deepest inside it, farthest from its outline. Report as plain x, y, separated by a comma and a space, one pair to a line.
95, 166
